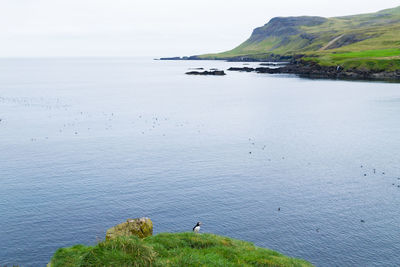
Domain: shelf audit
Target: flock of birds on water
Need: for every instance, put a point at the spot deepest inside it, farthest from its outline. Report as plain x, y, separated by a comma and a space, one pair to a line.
366, 172
148, 124
79, 121
374, 171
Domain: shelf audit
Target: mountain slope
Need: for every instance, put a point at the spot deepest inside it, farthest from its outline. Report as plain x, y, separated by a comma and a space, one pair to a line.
373, 40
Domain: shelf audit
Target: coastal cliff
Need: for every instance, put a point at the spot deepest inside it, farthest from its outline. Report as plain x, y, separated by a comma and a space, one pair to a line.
365, 46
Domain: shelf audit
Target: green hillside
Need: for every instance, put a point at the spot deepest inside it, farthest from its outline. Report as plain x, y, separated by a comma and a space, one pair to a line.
181, 249
370, 41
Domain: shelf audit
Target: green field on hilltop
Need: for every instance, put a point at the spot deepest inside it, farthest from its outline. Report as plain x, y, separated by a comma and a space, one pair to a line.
378, 60
181, 249
368, 54
359, 41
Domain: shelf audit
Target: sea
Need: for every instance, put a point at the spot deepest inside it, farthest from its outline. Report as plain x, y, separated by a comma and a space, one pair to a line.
307, 167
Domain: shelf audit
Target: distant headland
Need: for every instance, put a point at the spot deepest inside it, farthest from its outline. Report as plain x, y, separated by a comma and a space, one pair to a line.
365, 46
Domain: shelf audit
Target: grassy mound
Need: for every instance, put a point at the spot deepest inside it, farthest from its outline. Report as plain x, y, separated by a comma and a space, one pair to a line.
181, 249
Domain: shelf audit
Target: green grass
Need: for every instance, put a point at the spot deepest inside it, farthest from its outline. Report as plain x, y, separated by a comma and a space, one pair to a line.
368, 54
367, 41
181, 249
375, 60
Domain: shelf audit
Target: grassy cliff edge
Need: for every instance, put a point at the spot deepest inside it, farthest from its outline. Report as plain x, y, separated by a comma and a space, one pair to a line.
166, 249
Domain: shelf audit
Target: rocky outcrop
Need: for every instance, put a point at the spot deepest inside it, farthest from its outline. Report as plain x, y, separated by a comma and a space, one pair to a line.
284, 27
142, 227
313, 70
244, 69
211, 72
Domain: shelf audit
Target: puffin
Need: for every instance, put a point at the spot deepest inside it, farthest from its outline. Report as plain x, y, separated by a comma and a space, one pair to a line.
196, 228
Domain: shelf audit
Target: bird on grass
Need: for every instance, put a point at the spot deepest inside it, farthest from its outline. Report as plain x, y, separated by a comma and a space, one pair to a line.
196, 228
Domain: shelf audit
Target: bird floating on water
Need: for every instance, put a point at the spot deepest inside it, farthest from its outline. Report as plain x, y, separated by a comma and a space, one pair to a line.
196, 228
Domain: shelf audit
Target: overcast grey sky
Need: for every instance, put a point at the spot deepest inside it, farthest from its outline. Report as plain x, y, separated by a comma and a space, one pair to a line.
148, 28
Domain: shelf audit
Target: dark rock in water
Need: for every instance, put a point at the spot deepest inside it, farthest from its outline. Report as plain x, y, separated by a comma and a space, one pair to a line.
196, 68
212, 72
245, 69
268, 70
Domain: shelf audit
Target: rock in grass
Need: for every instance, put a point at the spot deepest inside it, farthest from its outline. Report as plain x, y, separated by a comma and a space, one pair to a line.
142, 227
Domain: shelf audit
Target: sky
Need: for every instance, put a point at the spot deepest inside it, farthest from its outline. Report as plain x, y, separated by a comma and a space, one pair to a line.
127, 28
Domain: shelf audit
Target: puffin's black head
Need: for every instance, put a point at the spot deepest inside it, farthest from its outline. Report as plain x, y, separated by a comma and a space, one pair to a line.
198, 224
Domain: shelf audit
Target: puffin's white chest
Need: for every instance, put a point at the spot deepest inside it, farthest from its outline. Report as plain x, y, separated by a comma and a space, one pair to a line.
196, 229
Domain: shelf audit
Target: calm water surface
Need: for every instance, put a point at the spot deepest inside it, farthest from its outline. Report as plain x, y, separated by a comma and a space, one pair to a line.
87, 143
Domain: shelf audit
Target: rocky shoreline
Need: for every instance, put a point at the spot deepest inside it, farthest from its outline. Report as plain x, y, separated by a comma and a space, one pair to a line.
211, 72
311, 69
302, 68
